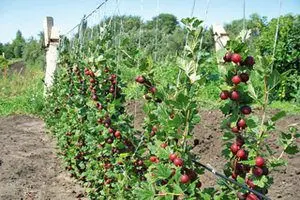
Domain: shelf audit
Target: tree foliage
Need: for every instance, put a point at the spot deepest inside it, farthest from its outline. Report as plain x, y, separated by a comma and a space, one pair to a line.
287, 53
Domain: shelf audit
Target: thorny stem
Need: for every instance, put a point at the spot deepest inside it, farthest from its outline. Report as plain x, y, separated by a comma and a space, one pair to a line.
266, 99
186, 130
291, 141
168, 193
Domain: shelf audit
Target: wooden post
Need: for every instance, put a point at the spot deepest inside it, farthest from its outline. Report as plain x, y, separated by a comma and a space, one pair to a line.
221, 39
51, 43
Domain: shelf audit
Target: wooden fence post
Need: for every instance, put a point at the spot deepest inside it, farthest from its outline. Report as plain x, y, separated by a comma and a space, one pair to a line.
51, 43
221, 38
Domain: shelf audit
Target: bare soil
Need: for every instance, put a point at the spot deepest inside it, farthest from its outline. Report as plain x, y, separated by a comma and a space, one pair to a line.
29, 168
17, 67
286, 179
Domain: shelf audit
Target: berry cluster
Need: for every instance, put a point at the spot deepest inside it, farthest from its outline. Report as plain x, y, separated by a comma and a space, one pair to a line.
239, 110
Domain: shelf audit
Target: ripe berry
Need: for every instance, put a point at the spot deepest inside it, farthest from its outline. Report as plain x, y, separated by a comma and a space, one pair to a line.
114, 82
109, 140
111, 130
259, 161
94, 97
140, 163
113, 76
112, 89
184, 178
241, 196
154, 129
152, 89
234, 95
178, 162
140, 79
154, 159
252, 197
236, 80
240, 141
172, 156
191, 173
92, 80
235, 129
224, 95
250, 183
234, 148
234, 175
249, 61
236, 58
242, 123
117, 134
198, 184
227, 57
265, 170
99, 106
246, 110
163, 145
241, 154
244, 77
257, 171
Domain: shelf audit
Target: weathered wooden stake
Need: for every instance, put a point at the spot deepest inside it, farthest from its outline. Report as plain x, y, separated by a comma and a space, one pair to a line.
51, 43
221, 38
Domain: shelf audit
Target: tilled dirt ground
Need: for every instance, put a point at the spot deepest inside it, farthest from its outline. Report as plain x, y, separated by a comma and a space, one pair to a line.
286, 179
29, 168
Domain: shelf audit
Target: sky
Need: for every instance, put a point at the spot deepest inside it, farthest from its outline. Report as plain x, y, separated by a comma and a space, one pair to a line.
28, 15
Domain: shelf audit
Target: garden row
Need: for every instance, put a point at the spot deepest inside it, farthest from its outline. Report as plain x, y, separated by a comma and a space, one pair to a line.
86, 111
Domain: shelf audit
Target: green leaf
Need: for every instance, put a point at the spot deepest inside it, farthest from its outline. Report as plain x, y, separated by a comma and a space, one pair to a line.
291, 149
260, 181
278, 116
147, 192
240, 180
162, 153
205, 196
273, 80
228, 136
196, 119
277, 162
177, 189
251, 91
251, 123
162, 171
226, 109
248, 162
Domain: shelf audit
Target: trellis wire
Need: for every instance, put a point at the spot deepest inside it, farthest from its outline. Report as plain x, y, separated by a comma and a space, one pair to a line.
205, 18
139, 47
193, 8
276, 34
230, 180
156, 30
244, 14
87, 16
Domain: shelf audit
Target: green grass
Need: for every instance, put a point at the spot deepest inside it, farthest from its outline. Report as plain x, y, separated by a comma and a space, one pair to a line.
14, 60
22, 94
288, 107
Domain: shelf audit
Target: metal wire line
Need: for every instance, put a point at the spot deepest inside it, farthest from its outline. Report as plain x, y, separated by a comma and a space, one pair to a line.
87, 16
230, 180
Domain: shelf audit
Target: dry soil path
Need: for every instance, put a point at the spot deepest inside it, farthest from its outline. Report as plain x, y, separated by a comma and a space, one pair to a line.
29, 168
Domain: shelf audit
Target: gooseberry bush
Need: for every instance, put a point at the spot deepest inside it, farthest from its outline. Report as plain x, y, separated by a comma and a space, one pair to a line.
86, 111
250, 157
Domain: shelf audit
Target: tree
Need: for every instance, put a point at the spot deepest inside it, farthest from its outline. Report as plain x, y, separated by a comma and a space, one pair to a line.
1, 48
164, 22
8, 51
18, 45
